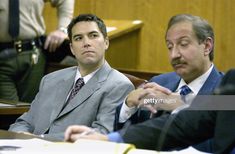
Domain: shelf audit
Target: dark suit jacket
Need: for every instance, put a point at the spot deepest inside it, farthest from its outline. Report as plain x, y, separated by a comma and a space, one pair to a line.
170, 81
187, 127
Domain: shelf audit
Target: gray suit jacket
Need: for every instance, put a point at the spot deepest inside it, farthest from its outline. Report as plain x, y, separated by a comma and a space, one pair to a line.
93, 106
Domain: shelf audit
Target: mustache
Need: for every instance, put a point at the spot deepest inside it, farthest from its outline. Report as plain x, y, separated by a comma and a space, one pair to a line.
177, 61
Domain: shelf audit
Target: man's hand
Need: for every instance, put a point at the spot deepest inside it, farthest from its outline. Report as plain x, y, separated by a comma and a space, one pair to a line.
157, 87
136, 97
54, 40
76, 132
161, 101
153, 97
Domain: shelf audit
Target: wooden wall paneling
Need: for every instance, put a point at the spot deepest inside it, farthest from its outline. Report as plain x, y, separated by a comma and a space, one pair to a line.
155, 14
50, 17
123, 53
224, 26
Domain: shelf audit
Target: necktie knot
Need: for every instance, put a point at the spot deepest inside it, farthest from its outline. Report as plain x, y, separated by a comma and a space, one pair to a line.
185, 90
78, 85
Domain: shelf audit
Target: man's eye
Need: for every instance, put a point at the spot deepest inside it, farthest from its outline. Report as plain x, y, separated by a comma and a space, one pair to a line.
94, 35
169, 47
77, 38
184, 44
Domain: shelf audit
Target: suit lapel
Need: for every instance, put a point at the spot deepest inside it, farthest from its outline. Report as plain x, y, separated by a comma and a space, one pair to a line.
211, 82
208, 87
175, 80
88, 89
85, 92
62, 90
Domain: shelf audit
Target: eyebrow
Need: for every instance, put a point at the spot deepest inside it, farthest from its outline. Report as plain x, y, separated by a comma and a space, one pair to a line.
180, 38
91, 32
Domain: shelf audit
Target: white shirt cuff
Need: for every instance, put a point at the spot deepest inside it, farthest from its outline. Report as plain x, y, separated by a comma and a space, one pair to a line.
126, 112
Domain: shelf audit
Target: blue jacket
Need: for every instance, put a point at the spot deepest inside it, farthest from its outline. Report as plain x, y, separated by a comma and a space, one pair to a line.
170, 81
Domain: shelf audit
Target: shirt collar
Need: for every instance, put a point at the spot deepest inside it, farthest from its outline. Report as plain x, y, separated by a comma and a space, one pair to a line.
85, 78
196, 84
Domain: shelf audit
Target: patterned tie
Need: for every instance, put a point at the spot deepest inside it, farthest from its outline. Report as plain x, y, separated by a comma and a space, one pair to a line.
14, 18
78, 85
185, 90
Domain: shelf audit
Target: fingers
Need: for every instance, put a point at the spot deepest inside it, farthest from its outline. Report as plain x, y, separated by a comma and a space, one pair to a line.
151, 108
75, 132
133, 99
95, 136
72, 132
54, 40
157, 87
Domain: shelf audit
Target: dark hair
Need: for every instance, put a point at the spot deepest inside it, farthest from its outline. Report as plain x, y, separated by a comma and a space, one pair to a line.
201, 28
87, 18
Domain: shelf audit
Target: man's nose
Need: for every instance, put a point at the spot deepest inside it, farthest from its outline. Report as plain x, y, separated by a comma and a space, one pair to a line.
175, 53
86, 42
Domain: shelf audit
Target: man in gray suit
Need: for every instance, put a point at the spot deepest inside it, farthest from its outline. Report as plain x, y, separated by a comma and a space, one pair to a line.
61, 101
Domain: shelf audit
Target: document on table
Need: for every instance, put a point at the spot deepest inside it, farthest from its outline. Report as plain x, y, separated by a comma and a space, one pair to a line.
9, 145
189, 150
39, 146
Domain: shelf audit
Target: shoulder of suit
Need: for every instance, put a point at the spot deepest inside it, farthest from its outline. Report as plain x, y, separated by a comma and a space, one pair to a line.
116, 75
165, 76
61, 72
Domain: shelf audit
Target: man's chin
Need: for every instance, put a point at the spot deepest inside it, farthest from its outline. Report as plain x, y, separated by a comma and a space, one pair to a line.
181, 72
90, 62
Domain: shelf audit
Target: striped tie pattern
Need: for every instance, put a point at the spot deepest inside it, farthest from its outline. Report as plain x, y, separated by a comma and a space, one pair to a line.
78, 85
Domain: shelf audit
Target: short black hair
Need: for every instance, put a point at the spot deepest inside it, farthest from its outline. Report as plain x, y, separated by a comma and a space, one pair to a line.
88, 18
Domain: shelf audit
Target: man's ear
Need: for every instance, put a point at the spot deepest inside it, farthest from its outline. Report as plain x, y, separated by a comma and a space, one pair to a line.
71, 48
106, 41
209, 43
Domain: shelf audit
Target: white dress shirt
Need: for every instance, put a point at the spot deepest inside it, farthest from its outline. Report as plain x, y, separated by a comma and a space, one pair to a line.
85, 78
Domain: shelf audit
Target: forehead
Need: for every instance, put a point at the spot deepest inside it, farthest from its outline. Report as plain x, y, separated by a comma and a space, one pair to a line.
180, 30
85, 27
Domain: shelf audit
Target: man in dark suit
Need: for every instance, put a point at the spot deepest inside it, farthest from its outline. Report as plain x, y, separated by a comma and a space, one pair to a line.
189, 127
190, 41
185, 128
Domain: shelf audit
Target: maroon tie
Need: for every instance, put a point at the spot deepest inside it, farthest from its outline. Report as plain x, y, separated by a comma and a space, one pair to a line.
78, 85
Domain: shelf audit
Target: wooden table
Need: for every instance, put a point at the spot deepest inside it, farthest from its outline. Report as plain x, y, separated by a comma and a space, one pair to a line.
9, 112
12, 135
